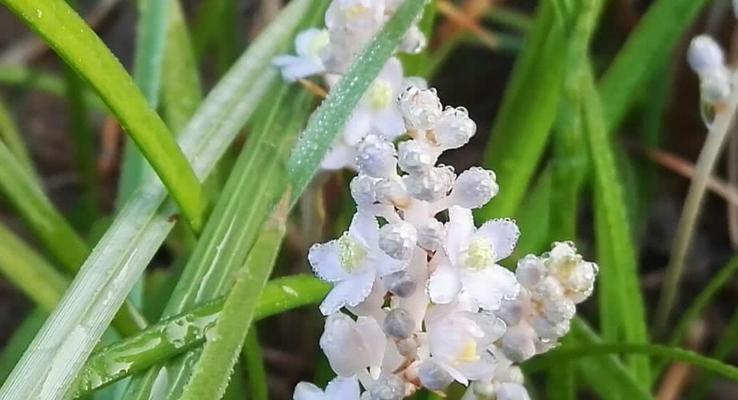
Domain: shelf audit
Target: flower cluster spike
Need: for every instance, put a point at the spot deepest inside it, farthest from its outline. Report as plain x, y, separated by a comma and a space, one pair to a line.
419, 300
420, 303
707, 59
349, 26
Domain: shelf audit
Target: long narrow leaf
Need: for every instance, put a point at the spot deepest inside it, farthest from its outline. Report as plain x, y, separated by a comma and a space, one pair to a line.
156, 344
67, 33
74, 328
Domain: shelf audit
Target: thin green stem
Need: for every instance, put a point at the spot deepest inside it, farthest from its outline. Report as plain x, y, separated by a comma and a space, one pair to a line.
717, 136
252, 359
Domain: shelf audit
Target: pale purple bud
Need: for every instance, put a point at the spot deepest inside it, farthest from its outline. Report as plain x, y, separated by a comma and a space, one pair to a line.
375, 157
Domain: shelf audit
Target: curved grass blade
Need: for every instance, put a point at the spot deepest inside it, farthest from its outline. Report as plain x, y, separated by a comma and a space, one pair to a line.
33, 79
27, 197
160, 342
614, 241
73, 329
330, 118
12, 138
67, 33
211, 373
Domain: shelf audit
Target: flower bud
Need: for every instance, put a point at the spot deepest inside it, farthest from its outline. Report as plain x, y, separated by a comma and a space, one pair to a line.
363, 190
420, 108
415, 156
407, 347
398, 240
431, 234
704, 55
391, 191
387, 387
399, 283
376, 157
454, 128
483, 389
518, 343
433, 376
474, 187
430, 186
530, 271
549, 331
511, 311
399, 324
559, 311
715, 87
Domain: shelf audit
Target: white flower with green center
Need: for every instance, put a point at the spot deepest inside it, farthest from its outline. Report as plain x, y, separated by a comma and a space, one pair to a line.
352, 263
469, 265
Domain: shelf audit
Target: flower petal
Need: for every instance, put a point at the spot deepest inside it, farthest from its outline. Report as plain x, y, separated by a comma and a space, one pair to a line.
343, 345
459, 230
373, 303
386, 265
325, 260
340, 156
364, 227
375, 342
349, 292
502, 234
307, 391
389, 123
487, 287
342, 389
358, 126
444, 284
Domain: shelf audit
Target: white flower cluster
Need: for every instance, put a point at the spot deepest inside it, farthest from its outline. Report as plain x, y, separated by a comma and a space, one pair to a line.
707, 60
350, 25
419, 303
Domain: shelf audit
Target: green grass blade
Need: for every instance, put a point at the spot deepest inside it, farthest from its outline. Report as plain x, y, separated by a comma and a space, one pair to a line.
328, 121
723, 349
180, 86
156, 344
615, 244
33, 79
605, 375
642, 55
527, 113
147, 71
672, 353
213, 369
141, 226
16, 345
252, 359
27, 197
67, 33
24, 268
534, 218
11, 136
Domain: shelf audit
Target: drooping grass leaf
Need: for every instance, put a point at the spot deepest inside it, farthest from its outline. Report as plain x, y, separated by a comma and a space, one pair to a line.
156, 344
73, 329
67, 33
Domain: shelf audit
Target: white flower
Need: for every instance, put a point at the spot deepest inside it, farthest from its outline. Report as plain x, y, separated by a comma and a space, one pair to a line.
337, 389
471, 265
309, 45
352, 263
474, 188
431, 185
375, 157
458, 341
421, 108
454, 128
704, 55
351, 346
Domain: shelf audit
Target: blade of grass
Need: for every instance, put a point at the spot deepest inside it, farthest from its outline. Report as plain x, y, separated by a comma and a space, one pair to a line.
724, 347
614, 241
213, 369
27, 197
151, 30
641, 56
13, 141
141, 226
328, 121
252, 359
67, 33
33, 79
254, 186
156, 344
24, 268
534, 89
20, 339
534, 218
